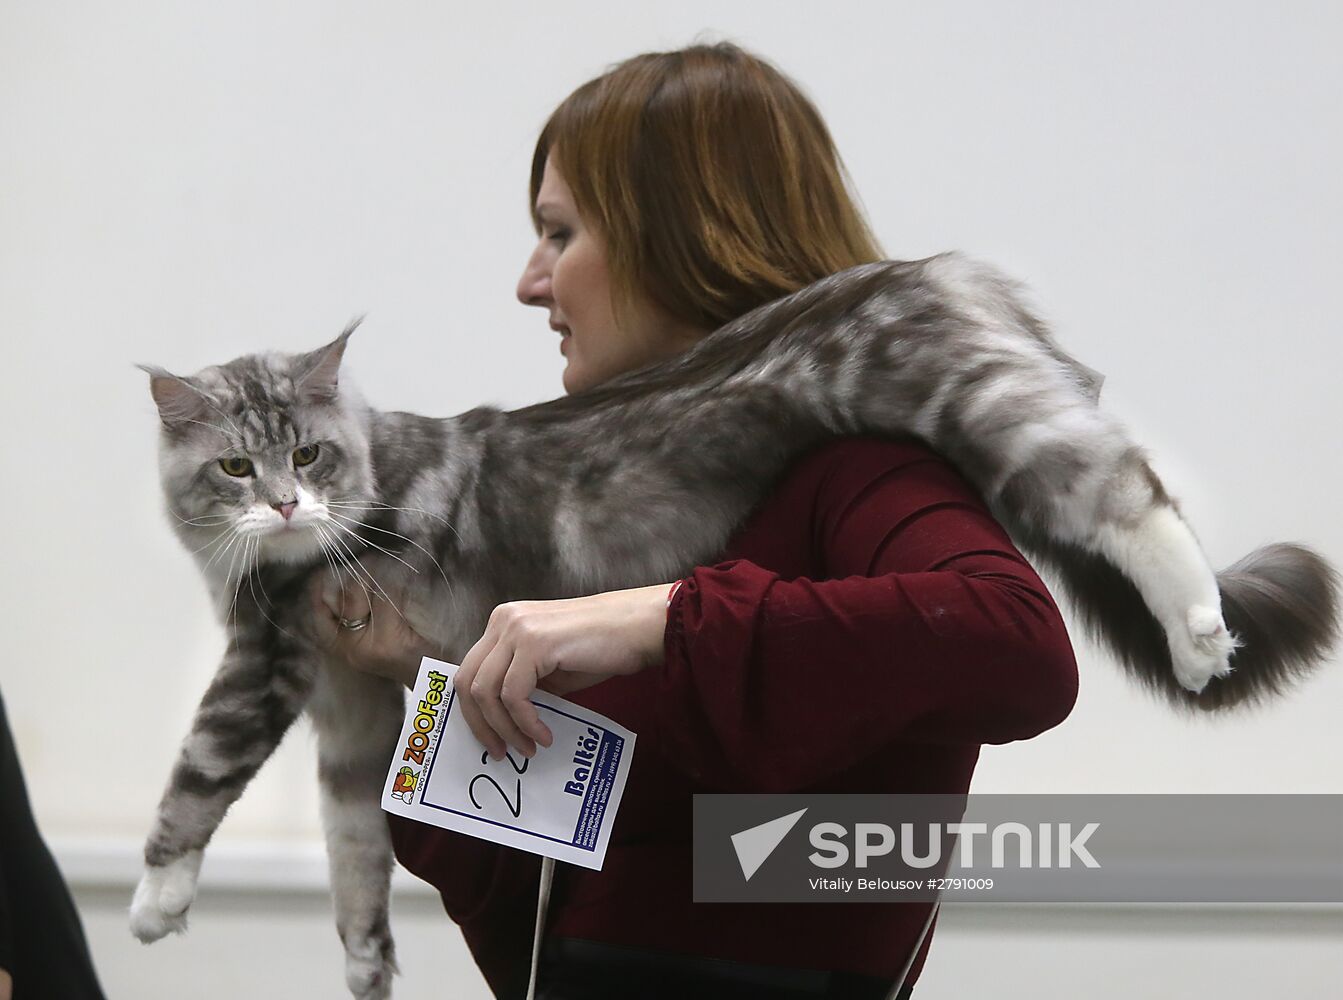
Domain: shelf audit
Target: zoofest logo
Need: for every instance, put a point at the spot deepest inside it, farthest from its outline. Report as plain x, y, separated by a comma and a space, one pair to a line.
836, 845
418, 742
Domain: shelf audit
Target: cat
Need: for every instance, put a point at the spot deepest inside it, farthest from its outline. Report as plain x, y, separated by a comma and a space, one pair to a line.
273, 467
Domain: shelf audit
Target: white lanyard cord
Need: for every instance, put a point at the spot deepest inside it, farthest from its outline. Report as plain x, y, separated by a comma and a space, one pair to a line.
914, 953
542, 903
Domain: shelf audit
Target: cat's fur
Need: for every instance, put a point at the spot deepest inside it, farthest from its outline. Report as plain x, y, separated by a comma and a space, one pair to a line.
636, 482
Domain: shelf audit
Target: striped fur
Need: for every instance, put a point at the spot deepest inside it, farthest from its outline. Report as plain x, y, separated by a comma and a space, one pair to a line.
637, 481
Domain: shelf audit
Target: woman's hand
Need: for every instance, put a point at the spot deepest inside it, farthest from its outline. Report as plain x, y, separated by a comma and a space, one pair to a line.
558, 646
375, 636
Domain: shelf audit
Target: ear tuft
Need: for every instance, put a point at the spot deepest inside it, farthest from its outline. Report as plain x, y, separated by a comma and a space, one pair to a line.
178, 399
318, 372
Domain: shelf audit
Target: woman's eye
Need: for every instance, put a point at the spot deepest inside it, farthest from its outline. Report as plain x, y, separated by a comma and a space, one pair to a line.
305, 455
236, 466
560, 236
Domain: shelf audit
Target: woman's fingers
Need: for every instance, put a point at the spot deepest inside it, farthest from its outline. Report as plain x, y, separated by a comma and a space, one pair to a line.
487, 692
380, 641
332, 600
322, 619
350, 602
463, 683
514, 697
494, 684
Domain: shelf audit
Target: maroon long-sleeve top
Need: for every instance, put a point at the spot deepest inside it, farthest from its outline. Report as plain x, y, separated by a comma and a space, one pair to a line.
870, 627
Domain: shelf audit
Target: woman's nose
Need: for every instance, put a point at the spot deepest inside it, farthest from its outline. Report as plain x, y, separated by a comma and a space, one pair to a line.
534, 285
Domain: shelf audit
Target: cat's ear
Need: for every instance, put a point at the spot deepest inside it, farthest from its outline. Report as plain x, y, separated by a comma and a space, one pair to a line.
178, 399
317, 373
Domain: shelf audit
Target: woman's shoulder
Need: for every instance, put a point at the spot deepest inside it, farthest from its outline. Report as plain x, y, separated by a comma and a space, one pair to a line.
885, 478
851, 460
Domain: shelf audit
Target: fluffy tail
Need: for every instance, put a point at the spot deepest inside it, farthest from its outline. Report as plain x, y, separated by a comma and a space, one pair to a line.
1280, 601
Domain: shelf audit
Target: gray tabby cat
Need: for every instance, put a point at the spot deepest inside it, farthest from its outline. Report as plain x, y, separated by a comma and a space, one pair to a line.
273, 468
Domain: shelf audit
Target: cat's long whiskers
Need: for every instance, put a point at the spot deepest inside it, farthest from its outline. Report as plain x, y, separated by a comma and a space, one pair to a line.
375, 545
356, 503
204, 520
254, 579
213, 541
261, 582
437, 565
351, 568
359, 568
340, 577
223, 551
233, 562
371, 578
256, 571
378, 505
345, 563
233, 604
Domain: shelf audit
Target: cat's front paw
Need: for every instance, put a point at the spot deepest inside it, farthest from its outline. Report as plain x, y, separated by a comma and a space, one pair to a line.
369, 967
1204, 649
163, 896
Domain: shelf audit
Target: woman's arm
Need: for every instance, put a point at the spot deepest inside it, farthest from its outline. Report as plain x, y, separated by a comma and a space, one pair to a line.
935, 630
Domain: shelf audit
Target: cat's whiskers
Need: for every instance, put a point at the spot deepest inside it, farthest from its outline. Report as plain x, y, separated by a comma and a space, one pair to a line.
213, 541
356, 570
329, 541
325, 547
234, 535
437, 565
253, 573
233, 604
370, 504
204, 520
374, 545
356, 563
260, 580
354, 503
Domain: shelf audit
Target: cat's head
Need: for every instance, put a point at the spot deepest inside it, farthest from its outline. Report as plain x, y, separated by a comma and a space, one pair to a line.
257, 456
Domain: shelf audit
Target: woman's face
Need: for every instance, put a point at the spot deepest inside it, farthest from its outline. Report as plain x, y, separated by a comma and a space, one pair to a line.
567, 275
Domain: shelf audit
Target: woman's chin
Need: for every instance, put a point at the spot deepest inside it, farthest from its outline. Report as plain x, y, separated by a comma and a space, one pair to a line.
572, 380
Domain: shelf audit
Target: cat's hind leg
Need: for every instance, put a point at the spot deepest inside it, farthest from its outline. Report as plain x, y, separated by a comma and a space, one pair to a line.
1159, 553
358, 718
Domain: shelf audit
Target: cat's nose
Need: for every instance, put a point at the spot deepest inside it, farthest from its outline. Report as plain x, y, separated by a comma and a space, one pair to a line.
286, 508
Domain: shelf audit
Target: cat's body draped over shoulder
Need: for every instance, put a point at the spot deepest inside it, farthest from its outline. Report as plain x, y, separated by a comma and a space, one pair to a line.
635, 482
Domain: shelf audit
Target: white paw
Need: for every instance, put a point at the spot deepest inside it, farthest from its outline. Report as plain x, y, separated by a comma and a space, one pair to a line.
1204, 649
163, 896
367, 973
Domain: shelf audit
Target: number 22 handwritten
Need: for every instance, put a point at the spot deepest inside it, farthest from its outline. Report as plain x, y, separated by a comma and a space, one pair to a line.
514, 807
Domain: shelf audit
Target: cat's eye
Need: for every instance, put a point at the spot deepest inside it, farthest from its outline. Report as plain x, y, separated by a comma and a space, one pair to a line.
305, 455
236, 466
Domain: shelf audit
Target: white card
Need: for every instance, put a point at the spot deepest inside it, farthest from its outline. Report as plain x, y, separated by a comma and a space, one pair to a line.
560, 802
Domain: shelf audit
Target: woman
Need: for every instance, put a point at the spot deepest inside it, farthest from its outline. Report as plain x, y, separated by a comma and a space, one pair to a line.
873, 595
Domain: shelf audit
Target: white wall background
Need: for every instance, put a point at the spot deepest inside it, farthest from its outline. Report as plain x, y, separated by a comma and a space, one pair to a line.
181, 183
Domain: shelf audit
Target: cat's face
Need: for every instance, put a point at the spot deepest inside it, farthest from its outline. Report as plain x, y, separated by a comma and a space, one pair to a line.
262, 459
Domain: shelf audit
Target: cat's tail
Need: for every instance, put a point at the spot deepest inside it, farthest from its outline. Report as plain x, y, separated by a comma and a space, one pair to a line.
1280, 601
